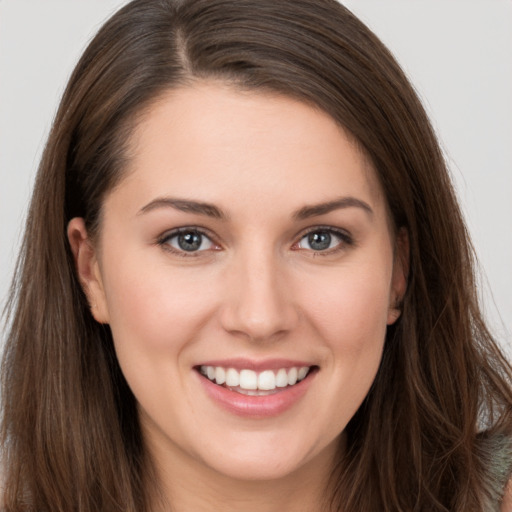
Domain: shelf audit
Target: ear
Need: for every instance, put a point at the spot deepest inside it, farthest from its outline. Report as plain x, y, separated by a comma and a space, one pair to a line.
400, 275
88, 269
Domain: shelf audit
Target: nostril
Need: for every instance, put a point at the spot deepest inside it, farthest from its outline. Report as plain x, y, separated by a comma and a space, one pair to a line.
259, 323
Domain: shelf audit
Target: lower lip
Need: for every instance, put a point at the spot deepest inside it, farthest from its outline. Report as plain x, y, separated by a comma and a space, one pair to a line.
257, 406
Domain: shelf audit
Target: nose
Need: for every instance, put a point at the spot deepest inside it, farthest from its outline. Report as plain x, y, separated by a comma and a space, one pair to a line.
258, 304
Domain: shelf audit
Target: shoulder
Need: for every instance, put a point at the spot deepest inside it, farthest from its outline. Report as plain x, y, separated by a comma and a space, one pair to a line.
496, 457
506, 504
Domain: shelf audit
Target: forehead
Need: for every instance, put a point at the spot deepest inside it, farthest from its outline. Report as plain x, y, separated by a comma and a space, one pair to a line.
212, 139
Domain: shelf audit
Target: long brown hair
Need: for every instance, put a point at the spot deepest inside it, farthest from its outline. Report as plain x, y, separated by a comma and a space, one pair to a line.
70, 433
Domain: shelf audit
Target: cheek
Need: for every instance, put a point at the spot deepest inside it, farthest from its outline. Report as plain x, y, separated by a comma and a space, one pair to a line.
155, 308
350, 315
155, 316
352, 308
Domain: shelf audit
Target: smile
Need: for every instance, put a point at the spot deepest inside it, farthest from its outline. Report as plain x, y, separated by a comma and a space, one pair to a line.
256, 389
252, 383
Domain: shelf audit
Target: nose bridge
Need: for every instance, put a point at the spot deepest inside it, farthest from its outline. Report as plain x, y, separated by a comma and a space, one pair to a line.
259, 304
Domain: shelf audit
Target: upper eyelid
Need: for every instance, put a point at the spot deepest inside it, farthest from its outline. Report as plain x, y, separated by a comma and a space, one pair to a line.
331, 229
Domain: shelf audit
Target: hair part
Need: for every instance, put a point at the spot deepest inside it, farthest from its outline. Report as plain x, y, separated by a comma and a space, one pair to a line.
70, 431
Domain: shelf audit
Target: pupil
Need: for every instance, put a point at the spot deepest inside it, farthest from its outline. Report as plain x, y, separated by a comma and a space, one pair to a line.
319, 241
189, 241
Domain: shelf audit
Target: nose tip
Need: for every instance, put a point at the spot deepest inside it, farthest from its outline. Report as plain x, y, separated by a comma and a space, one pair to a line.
260, 325
259, 306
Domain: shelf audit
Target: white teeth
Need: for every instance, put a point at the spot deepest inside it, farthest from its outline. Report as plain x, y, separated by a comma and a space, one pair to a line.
282, 378
267, 380
248, 379
232, 378
250, 382
302, 372
292, 376
220, 375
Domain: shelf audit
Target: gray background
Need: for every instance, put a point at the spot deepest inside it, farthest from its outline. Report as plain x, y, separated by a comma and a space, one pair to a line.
458, 54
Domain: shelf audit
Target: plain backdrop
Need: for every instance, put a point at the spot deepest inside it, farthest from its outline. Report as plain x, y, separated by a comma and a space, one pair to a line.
457, 53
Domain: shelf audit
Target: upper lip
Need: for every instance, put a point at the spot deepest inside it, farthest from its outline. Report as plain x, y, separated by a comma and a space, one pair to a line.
257, 366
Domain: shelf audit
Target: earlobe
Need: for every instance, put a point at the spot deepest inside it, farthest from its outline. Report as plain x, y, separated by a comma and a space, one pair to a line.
393, 315
87, 268
400, 276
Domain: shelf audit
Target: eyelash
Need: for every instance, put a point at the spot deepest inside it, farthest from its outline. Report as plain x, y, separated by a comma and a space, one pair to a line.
164, 240
345, 238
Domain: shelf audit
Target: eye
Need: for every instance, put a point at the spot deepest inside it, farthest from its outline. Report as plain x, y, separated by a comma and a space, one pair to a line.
187, 240
324, 239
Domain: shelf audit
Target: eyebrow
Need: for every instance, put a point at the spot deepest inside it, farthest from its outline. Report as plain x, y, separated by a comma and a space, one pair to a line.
209, 210
323, 208
184, 205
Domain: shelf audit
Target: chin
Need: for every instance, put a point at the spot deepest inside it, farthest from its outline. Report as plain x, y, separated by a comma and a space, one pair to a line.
257, 470
271, 459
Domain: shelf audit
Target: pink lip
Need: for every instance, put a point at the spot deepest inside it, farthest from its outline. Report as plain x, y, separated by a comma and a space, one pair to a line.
257, 366
256, 406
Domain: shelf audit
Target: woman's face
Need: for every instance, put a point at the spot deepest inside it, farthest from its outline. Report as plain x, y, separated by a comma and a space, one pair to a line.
247, 247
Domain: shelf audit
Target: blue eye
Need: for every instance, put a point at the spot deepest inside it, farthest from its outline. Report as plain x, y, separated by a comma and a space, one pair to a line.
323, 240
188, 240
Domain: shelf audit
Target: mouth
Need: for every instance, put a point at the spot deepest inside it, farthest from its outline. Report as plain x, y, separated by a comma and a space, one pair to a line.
250, 382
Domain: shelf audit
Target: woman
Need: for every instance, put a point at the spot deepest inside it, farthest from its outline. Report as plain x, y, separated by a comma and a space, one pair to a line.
245, 281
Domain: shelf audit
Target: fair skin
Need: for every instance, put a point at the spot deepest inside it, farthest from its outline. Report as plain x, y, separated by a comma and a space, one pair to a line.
291, 266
